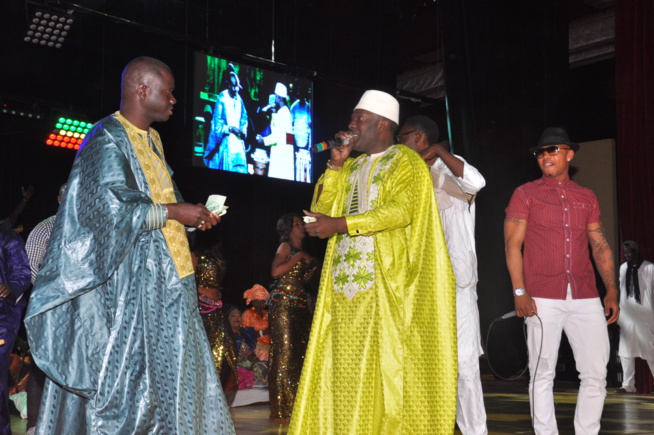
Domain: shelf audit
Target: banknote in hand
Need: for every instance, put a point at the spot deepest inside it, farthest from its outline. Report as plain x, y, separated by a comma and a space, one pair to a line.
216, 204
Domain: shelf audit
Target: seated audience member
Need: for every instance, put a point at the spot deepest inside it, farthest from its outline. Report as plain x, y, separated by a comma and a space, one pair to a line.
257, 318
252, 372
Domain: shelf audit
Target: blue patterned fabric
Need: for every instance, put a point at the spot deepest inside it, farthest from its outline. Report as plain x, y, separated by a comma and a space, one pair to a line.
15, 272
109, 320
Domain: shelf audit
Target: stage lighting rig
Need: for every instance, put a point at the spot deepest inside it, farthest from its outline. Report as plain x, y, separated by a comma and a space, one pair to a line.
20, 108
68, 133
49, 27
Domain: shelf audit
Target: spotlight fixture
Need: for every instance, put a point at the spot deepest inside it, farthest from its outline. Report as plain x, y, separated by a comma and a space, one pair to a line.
68, 133
26, 111
49, 28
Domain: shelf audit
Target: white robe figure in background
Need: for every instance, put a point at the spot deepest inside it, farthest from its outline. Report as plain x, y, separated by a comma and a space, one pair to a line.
280, 139
456, 184
637, 314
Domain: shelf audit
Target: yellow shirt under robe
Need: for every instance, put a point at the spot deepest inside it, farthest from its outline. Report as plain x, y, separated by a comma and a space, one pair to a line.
382, 356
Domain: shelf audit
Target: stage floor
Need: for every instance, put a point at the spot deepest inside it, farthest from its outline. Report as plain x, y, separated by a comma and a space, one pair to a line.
507, 407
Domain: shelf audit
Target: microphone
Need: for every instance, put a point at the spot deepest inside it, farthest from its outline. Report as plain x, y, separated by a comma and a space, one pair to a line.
507, 315
265, 108
329, 144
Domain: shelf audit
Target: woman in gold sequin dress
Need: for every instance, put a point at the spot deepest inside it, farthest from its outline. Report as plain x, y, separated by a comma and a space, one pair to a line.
209, 273
289, 317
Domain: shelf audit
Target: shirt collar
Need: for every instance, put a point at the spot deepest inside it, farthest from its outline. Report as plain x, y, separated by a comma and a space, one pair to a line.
552, 182
143, 133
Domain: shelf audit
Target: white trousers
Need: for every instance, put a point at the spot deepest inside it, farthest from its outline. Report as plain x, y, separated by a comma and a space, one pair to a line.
629, 372
585, 326
470, 409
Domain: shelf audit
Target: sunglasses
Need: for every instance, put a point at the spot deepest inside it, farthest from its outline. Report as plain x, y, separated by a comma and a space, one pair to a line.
399, 136
551, 150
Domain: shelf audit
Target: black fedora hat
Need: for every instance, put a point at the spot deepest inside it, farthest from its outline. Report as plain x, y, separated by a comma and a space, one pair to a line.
554, 136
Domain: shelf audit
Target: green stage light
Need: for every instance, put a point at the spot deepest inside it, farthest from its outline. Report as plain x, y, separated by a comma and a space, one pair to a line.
68, 133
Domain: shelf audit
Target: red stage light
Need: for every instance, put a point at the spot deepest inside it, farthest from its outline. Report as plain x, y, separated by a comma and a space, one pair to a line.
68, 133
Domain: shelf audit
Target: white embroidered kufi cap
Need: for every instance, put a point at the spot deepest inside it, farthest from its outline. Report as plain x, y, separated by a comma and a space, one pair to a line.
380, 103
280, 90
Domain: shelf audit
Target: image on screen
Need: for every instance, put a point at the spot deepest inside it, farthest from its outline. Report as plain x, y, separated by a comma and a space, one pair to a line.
251, 120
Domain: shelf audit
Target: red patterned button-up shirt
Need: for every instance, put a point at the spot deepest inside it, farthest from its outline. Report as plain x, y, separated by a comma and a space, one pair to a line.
555, 249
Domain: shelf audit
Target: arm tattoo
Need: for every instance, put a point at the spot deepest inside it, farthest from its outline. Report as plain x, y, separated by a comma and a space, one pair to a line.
597, 240
515, 221
598, 230
603, 256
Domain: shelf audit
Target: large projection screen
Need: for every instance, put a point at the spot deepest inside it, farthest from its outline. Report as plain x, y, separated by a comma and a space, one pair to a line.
251, 120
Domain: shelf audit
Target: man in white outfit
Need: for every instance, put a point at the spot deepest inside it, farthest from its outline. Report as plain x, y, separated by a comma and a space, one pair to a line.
637, 314
280, 139
456, 184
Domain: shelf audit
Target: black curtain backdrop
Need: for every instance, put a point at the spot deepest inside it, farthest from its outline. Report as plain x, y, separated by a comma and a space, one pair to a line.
505, 63
506, 74
634, 33
82, 80
507, 77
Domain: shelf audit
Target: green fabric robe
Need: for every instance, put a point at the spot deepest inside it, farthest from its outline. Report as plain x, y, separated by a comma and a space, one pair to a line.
383, 360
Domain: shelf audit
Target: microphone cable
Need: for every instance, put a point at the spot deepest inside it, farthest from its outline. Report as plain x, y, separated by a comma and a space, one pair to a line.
533, 376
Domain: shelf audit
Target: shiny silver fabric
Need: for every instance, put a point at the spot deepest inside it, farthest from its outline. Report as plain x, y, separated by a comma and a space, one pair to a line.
109, 320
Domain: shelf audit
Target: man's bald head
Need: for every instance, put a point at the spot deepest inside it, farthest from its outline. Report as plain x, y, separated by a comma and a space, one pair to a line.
139, 71
147, 92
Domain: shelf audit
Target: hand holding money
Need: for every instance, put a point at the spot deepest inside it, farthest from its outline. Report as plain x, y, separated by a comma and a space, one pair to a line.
216, 204
192, 215
323, 226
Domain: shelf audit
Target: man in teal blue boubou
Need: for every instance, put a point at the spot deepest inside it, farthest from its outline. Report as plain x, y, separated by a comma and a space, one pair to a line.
112, 319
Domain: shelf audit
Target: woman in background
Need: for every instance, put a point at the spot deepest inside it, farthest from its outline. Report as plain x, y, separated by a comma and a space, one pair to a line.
289, 317
209, 274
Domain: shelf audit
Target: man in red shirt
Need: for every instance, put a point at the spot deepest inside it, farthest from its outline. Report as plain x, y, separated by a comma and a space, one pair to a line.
555, 219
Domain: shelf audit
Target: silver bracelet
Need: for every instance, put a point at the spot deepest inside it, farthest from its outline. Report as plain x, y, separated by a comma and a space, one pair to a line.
332, 167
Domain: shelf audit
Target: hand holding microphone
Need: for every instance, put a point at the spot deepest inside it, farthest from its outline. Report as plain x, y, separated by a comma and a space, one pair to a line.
265, 109
340, 148
333, 143
525, 306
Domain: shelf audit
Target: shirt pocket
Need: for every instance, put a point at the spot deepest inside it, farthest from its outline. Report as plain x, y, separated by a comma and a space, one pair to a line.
580, 213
